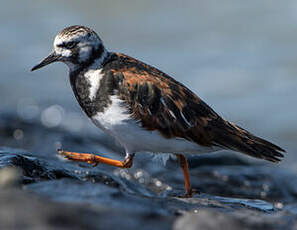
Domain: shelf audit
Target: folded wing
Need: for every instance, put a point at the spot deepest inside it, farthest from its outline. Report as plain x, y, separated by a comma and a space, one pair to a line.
161, 103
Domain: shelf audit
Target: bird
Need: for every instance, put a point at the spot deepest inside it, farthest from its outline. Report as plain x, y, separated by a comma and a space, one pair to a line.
143, 108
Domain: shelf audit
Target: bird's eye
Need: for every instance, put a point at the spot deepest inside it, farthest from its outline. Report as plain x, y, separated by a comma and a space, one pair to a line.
70, 45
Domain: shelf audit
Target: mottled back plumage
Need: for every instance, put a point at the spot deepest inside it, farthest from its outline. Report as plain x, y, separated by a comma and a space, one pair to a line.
161, 103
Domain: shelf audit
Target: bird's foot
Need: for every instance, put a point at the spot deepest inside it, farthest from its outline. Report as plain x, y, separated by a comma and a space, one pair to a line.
95, 159
82, 157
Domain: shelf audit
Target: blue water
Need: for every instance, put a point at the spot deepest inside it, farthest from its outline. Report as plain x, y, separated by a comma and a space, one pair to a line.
240, 57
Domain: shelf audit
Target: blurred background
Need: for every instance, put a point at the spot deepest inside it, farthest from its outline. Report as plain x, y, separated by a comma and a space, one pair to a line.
240, 57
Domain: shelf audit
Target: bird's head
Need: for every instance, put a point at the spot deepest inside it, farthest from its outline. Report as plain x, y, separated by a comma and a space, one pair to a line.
76, 46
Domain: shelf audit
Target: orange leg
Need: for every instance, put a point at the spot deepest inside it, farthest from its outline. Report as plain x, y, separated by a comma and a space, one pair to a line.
184, 165
95, 160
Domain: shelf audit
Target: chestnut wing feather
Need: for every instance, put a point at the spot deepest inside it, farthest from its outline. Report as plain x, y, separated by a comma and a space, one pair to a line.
161, 103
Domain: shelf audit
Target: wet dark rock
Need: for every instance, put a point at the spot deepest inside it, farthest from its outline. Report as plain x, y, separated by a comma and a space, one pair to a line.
253, 181
20, 210
92, 189
241, 219
235, 193
33, 169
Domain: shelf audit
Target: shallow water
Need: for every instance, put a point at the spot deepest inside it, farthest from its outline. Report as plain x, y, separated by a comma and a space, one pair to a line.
239, 57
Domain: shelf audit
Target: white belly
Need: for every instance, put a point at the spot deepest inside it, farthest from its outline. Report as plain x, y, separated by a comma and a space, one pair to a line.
117, 122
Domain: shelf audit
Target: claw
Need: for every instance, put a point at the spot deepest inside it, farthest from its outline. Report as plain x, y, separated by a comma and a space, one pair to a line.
95, 159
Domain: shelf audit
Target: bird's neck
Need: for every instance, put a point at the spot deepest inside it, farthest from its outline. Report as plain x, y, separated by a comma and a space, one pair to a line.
96, 60
86, 82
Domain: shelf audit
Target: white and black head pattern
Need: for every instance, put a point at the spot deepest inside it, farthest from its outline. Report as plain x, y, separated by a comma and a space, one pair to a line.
76, 46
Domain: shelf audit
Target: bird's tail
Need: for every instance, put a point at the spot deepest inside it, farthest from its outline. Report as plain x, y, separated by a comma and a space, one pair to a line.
238, 139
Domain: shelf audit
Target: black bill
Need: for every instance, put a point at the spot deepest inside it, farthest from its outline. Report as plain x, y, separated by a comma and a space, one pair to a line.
53, 57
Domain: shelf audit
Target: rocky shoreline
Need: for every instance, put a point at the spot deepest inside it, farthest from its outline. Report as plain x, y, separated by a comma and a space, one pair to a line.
41, 191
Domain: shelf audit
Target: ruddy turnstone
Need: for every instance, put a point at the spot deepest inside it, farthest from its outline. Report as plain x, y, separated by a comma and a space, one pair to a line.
144, 109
